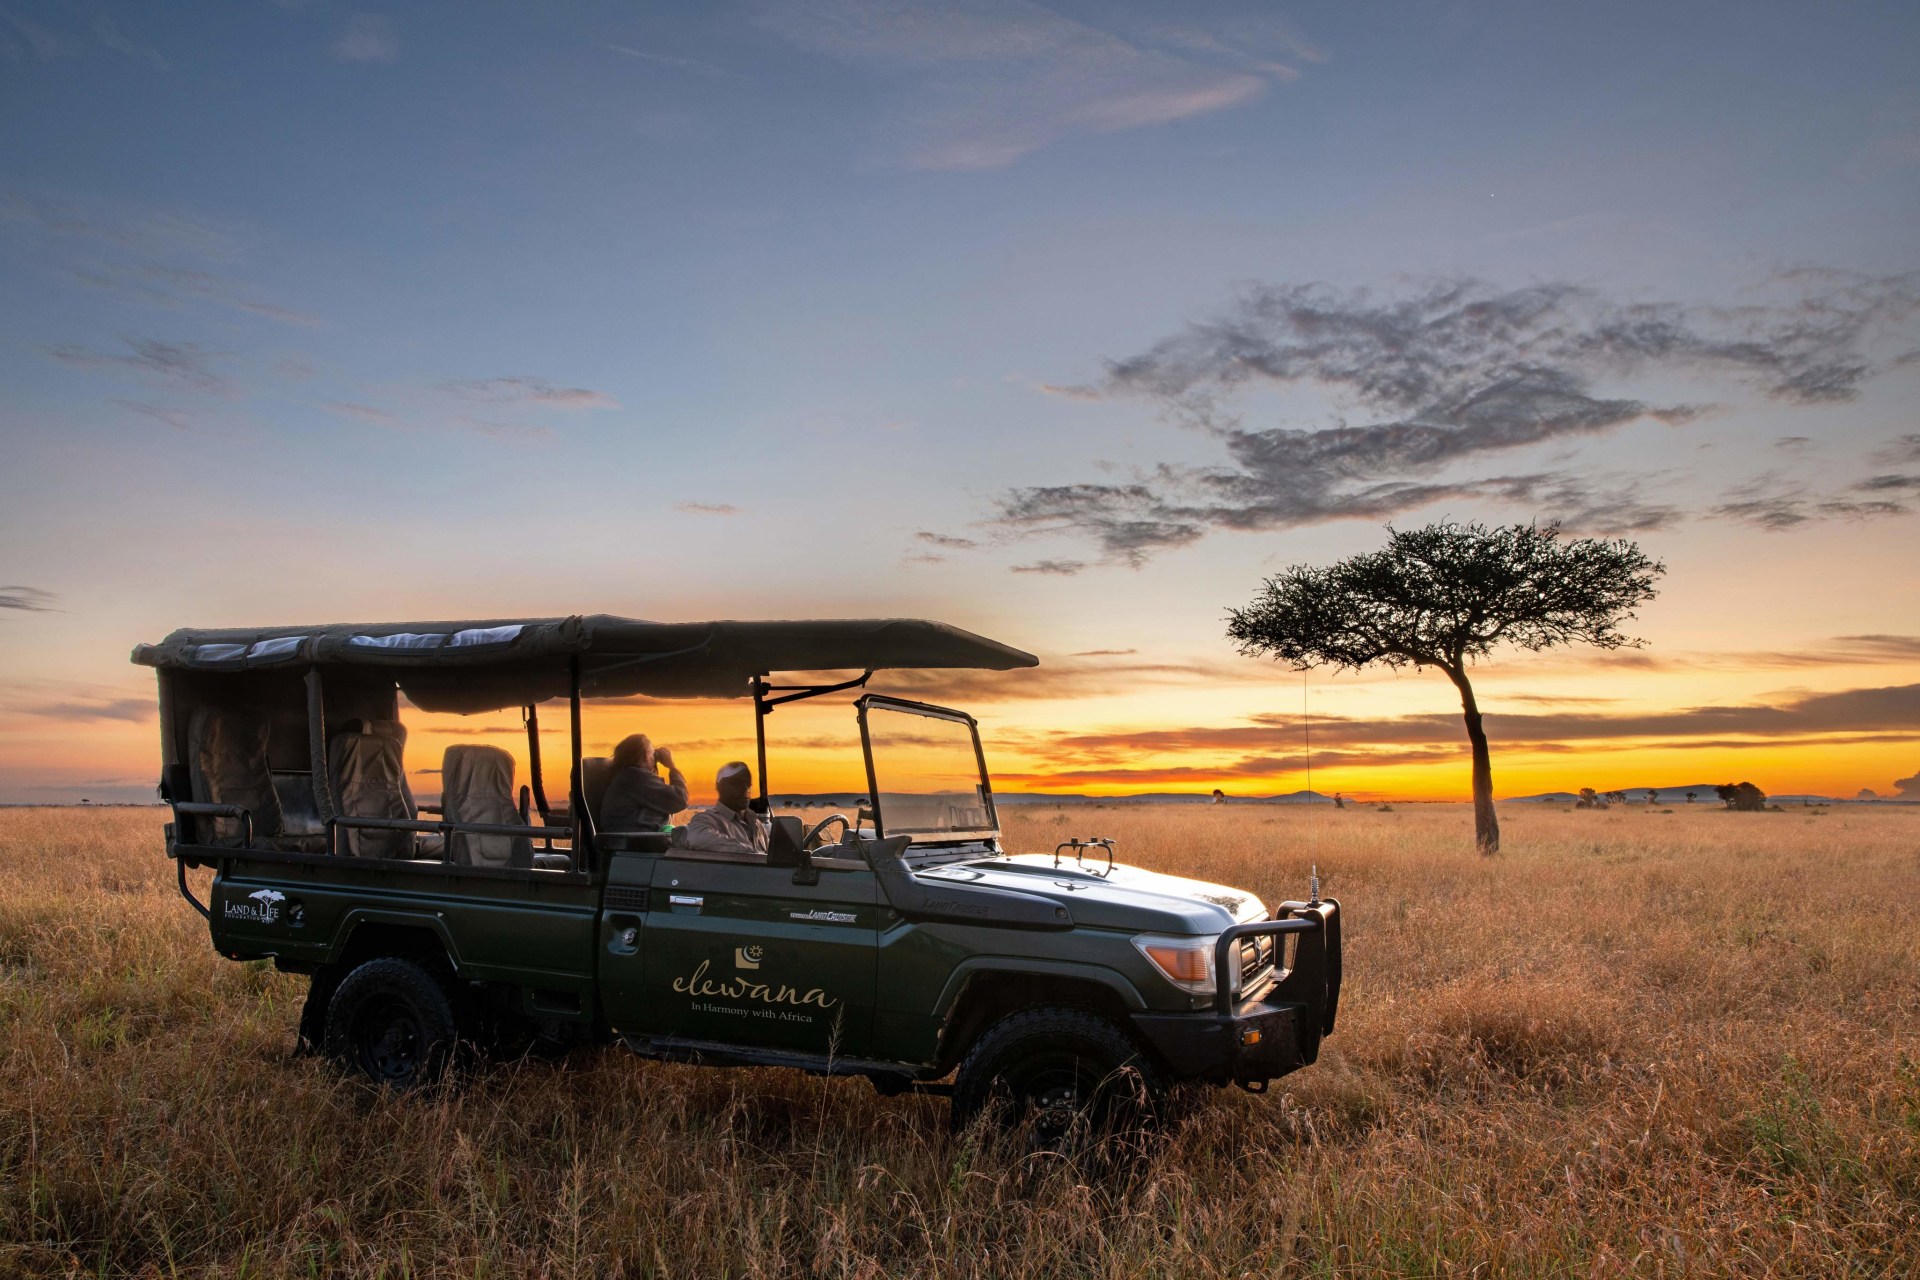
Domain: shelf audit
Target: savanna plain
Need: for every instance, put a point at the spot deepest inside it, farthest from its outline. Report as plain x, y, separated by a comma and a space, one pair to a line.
1638, 1042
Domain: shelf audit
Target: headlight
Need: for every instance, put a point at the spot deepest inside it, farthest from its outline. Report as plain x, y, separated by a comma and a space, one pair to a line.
1186, 962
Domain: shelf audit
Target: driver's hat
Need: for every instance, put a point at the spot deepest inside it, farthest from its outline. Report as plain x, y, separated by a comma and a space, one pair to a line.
732, 769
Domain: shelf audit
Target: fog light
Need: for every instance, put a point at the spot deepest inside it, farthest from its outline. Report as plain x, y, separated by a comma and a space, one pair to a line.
1249, 1037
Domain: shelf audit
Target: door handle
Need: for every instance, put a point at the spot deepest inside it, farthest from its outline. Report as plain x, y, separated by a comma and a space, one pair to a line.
684, 900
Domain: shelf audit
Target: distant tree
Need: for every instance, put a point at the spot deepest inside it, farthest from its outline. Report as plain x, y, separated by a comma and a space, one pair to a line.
1653, 796
1219, 796
1742, 796
1690, 796
1616, 797
1589, 799
1339, 802
1446, 596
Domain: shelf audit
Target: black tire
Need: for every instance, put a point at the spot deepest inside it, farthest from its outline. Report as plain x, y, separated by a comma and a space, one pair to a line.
394, 1022
1054, 1074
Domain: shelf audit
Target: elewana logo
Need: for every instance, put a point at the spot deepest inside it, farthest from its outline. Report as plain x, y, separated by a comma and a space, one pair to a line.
699, 984
748, 957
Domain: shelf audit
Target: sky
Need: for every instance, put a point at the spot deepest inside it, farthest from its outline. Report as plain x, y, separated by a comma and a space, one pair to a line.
1068, 325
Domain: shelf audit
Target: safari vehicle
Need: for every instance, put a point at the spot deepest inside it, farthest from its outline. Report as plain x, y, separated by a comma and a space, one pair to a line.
903, 943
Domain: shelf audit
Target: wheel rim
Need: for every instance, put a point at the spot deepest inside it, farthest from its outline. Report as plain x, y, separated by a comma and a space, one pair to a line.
388, 1040
1052, 1094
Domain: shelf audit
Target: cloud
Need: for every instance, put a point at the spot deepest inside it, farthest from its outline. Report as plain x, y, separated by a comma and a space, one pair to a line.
1902, 450
109, 34
1909, 788
1775, 505
27, 599
43, 44
1441, 375
367, 37
1889, 483
529, 391
509, 431
132, 710
166, 286
1889, 713
707, 508
1104, 653
984, 82
186, 364
175, 418
946, 540
364, 412
1059, 568
667, 60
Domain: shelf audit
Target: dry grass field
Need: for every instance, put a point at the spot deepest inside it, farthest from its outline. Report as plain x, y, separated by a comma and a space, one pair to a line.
1646, 1043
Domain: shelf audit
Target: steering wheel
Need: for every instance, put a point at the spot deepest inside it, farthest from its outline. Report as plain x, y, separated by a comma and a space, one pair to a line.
815, 836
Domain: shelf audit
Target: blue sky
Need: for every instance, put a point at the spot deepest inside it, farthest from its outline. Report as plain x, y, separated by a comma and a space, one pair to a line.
319, 310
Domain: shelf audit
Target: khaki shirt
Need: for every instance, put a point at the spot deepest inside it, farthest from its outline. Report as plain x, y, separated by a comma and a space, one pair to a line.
719, 829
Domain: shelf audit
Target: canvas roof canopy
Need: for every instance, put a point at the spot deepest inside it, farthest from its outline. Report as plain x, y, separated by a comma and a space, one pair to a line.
487, 664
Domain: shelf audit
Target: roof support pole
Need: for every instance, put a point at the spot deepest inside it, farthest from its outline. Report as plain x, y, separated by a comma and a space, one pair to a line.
317, 752
532, 719
577, 798
761, 710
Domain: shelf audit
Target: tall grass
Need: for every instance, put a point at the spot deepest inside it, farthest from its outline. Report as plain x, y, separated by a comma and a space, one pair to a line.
1638, 1042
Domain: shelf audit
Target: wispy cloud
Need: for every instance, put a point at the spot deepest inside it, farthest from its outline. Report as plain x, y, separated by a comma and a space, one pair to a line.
178, 419
185, 364
668, 60
1447, 374
131, 710
367, 37
1776, 505
110, 34
172, 287
707, 508
984, 82
536, 392
27, 599
950, 541
364, 412
1056, 568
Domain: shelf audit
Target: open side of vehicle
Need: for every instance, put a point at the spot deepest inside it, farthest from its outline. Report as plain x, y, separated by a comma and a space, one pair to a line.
901, 943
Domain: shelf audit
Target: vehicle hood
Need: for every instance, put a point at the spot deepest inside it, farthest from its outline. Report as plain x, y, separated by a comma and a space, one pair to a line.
1129, 898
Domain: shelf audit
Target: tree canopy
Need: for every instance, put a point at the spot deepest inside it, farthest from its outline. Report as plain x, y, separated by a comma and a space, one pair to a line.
1446, 596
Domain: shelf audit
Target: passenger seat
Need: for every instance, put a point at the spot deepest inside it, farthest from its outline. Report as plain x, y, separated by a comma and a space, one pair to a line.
227, 763
366, 759
476, 785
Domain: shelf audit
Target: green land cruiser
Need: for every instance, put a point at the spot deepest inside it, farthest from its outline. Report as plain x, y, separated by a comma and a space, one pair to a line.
904, 944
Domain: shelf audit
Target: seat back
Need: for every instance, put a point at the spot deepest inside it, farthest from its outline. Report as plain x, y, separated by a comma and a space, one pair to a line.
366, 759
476, 785
227, 762
596, 775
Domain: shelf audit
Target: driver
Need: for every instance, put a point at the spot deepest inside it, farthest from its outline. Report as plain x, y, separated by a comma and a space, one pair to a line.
729, 826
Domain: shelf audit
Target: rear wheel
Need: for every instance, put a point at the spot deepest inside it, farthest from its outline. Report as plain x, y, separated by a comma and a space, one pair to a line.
394, 1022
1057, 1074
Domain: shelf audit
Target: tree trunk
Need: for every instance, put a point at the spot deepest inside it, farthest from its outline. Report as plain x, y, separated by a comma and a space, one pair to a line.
1486, 823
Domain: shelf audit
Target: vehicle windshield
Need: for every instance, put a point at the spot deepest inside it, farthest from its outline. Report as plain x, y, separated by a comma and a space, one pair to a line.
928, 781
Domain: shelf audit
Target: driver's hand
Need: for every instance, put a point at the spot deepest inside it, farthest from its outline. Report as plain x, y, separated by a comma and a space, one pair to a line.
663, 756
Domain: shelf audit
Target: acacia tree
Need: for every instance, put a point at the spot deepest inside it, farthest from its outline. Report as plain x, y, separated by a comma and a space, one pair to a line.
1444, 596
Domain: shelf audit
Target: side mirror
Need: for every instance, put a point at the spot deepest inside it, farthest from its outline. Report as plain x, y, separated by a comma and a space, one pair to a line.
784, 849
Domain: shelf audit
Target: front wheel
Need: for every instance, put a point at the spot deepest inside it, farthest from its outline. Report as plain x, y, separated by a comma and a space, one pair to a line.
1054, 1073
393, 1021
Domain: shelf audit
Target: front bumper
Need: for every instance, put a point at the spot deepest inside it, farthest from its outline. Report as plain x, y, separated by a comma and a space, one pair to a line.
1249, 1041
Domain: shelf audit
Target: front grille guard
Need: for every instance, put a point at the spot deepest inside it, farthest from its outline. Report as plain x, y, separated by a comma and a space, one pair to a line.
1314, 979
